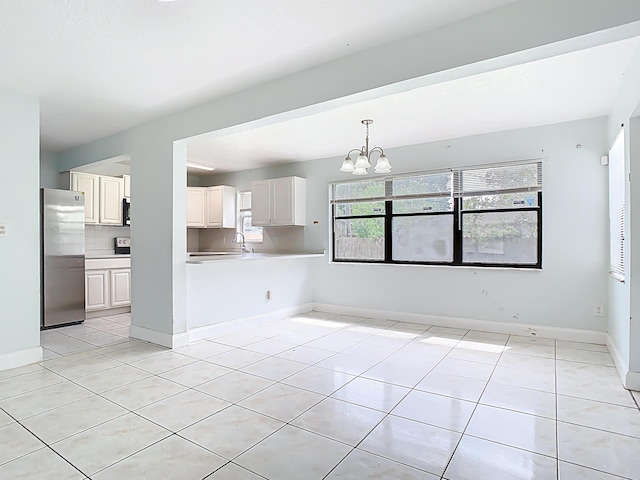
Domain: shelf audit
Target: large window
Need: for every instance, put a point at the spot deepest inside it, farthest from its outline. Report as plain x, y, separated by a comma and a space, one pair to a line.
617, 201
485, 216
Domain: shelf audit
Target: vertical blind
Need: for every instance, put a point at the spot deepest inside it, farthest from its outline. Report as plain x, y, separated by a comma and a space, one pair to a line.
617, 201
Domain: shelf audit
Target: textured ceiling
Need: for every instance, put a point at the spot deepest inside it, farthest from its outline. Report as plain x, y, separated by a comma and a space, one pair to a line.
102, 66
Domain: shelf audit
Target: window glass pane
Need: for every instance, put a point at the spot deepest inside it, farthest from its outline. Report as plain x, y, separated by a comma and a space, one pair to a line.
244, 200
252, 234
502, 200
500, 237
423, 205
423, 239
501, 178
431, 183
359, 239
362, 189
360, 208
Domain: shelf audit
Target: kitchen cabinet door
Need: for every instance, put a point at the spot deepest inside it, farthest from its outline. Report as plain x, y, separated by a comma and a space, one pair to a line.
111, 193
127, 185
96, 290
221, 206
120, 287
261, 202
195, 207
282, 206
89, 186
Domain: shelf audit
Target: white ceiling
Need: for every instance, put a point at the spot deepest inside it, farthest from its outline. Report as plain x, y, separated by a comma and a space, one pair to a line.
578, 85
102, 66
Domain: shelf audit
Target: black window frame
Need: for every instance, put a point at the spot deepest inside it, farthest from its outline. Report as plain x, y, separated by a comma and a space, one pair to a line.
457, 212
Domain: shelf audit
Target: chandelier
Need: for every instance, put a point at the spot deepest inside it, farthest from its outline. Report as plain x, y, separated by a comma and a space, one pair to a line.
362, 162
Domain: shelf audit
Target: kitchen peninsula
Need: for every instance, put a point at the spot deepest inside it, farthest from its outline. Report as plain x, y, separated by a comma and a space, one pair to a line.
221, 288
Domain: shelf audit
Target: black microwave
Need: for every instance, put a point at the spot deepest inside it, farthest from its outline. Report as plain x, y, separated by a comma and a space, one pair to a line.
126, 211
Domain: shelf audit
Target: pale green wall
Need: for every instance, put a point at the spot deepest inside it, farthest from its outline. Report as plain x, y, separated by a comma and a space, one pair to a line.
515, 33
19, 211
49, 176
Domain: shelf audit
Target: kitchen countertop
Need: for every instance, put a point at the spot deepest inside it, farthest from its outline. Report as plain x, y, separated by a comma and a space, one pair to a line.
89, 256
208, 257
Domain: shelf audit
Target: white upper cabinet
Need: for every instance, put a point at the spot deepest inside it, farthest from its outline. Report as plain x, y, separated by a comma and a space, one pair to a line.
195, 207
211, 207
89, 186
221, 206
111, 194
102, 197
279, 202
261, 202
127, 185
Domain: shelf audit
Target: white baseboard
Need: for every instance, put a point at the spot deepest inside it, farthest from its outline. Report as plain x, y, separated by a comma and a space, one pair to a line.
20, 358
200, 333
159, 338
633, 381
620, 364
630, 379
107, 312
574, 335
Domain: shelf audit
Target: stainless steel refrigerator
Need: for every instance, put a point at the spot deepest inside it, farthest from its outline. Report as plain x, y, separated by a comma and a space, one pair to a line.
62, 257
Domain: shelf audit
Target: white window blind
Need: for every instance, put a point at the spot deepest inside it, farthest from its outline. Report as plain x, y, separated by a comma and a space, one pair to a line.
487, 180
617, 201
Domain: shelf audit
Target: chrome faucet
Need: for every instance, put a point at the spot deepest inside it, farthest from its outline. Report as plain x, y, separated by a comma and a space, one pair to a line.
243, 247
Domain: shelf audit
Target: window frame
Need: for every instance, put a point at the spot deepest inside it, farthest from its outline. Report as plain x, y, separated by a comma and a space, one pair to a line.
456, 212
242, 213
618, 197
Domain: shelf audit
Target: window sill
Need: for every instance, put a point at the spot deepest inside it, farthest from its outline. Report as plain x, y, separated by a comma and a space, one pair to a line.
464, 267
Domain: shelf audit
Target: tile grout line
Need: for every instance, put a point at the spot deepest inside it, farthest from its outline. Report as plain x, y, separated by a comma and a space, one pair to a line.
281, 381
477, 403
46, 445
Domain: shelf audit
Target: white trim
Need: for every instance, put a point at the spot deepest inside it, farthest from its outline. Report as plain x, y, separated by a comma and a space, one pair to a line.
617, 359
633, 381
107, 312
20, 358
207, 331
630, 380
159, 338
570, 334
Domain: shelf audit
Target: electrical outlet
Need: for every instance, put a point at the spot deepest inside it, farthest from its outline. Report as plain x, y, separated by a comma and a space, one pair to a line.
268, 295
275, 239
3, 230
598, 310
224, 239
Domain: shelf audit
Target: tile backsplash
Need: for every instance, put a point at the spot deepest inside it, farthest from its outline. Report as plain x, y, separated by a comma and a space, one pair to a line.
276, 239
99, 238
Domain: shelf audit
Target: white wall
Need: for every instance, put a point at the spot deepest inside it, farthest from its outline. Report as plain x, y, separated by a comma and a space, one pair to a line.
575, 234
227, 290
624, 298
19, 212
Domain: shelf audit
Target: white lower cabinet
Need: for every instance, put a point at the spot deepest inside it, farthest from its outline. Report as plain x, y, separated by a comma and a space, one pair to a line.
96, 290
107, 284
120, 288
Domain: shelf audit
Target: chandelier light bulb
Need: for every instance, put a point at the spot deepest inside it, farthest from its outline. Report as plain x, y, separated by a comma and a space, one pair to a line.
383, 165
362, 161
347, 166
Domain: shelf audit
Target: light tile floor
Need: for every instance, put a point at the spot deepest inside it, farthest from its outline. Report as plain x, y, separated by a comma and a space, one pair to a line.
317, 396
